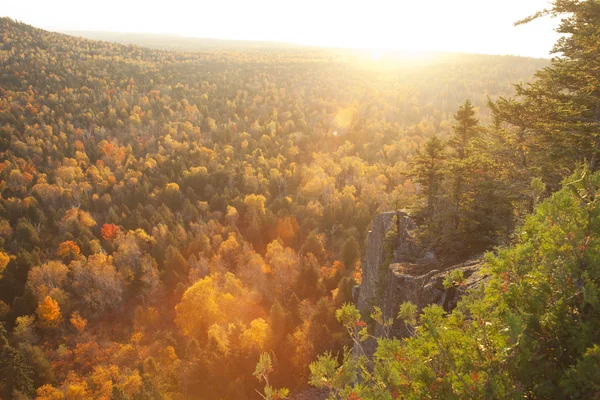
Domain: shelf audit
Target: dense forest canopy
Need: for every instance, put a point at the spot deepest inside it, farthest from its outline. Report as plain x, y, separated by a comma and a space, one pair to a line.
168, 215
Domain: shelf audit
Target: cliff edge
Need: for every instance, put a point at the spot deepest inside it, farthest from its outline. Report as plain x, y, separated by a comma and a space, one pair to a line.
396, 269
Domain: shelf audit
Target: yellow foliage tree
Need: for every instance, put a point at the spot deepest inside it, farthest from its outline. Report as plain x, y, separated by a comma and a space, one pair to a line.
132, 384
48, 392
219, 335
76, 218
78, 391
284, 265
255, 211
198, 308
257, 337
68, 249
102, 378
4, 260
232, 215
216, 299
48, 313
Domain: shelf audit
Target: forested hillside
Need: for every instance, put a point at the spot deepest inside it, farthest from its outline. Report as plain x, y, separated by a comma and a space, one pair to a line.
167, 216
182, 43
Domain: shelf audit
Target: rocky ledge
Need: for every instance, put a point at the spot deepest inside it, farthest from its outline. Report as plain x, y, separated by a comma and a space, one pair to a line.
396, 269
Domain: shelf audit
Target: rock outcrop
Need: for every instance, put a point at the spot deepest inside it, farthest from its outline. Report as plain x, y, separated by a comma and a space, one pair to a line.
396, 269
402, 245
406, 284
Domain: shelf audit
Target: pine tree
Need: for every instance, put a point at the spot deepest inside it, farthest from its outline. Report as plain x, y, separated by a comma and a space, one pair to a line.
557, 117
468, 204
428, 172
176, 267
465, 129
350, 252
15, 374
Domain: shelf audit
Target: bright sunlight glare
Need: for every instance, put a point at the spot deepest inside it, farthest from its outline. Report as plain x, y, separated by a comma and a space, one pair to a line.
475, 26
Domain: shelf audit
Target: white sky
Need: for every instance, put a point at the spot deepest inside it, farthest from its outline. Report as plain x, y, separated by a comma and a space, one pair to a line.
475, 26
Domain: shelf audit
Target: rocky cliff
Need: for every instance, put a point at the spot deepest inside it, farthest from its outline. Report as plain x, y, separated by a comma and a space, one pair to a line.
395, 269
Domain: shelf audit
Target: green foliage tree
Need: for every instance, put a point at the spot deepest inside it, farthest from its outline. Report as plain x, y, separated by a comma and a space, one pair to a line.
16, 375
428, 172
531, 331
264, 367
556, 117
465, 130
350, 252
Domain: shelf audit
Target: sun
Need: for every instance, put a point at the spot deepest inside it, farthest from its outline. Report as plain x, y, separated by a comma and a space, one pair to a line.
376, 55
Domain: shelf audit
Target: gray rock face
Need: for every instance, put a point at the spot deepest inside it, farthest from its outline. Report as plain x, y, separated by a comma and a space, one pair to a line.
411, 273
404, 247
426, 289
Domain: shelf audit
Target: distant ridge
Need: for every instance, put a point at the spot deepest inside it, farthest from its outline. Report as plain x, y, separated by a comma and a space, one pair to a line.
169, 41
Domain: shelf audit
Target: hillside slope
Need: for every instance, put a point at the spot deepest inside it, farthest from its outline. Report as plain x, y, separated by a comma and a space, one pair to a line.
165, 216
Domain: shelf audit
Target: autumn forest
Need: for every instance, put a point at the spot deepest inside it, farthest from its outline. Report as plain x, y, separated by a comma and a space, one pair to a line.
187, 220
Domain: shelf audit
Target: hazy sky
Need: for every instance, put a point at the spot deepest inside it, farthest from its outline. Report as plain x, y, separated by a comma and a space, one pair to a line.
477, 26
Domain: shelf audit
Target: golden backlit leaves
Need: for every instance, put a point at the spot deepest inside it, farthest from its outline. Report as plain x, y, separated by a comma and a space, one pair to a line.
255, 210
78, 391
232, 215
219, 335
219, 308
202, 305
68, 248
98, 385
172, 187
132, 384
102, 378
257, 336
226, 258
284, 266
48, 313
331, 272
303, 349
75, 218
343, 119
48, 392
357, 273
169, 353
4, 260
78, 322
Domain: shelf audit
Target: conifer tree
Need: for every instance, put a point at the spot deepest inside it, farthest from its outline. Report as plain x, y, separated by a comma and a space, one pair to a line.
427, 170
16, 375
560, 110
465, 129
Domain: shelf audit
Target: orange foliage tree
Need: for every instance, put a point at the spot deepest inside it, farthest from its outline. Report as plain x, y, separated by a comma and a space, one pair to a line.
78, 321
48, 313
109, 231
68, 249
